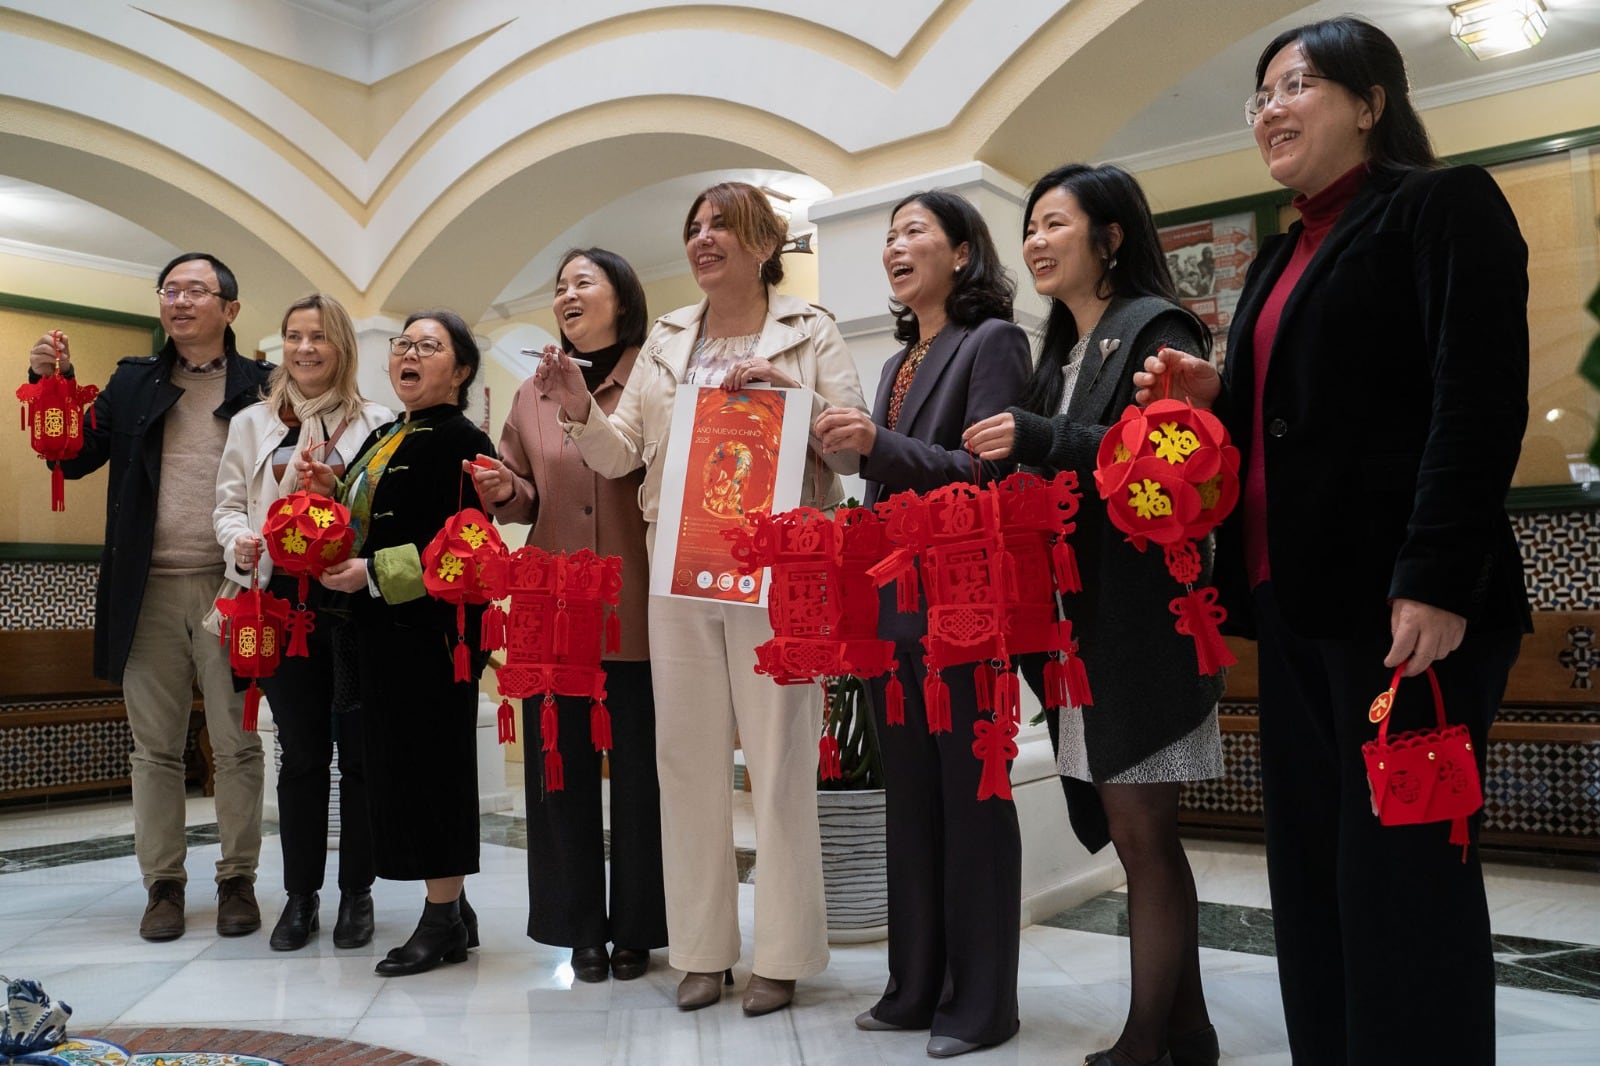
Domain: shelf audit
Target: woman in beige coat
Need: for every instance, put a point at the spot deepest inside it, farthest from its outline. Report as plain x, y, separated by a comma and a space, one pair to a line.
703, 652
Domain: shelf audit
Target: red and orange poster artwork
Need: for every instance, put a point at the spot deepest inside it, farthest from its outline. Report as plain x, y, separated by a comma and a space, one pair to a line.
730, 454
1208, 261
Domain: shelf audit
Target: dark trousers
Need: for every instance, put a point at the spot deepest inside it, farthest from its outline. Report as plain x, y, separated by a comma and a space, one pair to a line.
1382, 931
955, 872
566, 847
301, 692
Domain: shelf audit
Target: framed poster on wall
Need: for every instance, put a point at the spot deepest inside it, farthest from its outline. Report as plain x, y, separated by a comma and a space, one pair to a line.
1208, 259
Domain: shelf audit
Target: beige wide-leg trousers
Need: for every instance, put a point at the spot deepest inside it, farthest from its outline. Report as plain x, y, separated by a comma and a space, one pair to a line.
170, 652
702, 659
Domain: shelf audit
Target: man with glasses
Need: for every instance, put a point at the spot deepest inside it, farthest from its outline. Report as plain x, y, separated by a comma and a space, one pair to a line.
161, 423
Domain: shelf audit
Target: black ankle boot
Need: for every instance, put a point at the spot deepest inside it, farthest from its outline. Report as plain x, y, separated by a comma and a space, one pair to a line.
1198, 1048
439, 937
353, 929
469, 918
297, 922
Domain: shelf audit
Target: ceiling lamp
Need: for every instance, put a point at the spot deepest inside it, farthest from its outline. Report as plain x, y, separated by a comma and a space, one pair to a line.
1488, 28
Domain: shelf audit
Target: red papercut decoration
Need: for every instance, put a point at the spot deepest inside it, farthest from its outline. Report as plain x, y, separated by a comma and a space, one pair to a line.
1169, 474
563, 607
822, 603
253, 625
305, 534
465, 563
52, 414
993, 563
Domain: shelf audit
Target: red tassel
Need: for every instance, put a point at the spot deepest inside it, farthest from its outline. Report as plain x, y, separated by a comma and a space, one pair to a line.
994, 745
895, 698
492, 631
25, 416
828, 765
563, 626
252, 707
599, 726
613, 632
1007, 695
303, 588
983, 682
549, 724
507, 720
1055, 684
555, 779
1199, 615
301, 623
1077, 681
1458, 835
94, 423
58, 488
463, 658
1064, 562
936, 697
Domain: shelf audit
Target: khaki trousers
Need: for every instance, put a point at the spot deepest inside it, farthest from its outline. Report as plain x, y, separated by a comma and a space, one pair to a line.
702, 658
170, 653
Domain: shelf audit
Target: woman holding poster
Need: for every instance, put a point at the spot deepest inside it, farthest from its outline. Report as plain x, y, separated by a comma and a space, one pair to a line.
742, 334
955, 862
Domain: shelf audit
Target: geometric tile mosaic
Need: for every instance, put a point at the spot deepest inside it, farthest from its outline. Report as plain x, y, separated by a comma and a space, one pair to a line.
47, 595
1560, 558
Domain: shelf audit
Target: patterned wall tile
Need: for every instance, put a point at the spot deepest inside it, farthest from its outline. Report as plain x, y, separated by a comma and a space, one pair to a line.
1560, 558
47, 595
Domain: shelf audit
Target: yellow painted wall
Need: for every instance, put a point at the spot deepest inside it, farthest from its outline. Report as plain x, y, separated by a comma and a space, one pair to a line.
84, 286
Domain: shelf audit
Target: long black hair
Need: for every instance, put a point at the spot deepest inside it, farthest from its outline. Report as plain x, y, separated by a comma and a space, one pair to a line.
632, 319
462, 343
1358, 55
1109, 196
983, 287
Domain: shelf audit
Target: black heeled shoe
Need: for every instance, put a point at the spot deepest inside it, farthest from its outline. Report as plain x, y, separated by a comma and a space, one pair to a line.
439, 937
1113, 1056
353, 927
469, 918
1198, 1048
629, 963
591, 965
297, 922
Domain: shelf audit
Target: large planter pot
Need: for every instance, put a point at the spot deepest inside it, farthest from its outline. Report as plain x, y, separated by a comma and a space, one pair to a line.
855, 874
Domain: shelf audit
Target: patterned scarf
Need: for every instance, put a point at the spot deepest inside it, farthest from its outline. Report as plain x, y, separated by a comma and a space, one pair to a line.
365, 474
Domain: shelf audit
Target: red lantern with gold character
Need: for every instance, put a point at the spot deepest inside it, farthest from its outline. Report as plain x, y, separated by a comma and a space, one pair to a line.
53, 409
305, 534
822, 603
563, 620
465, 563
253, 625
993, 563
1169, 474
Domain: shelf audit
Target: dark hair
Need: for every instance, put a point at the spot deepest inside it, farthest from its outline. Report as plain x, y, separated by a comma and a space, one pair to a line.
461, 342
1109, 196
632, 318
1357, 55
227, 284
746, 211
983, 287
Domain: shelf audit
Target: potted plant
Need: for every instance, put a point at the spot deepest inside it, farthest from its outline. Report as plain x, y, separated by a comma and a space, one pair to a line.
850, 811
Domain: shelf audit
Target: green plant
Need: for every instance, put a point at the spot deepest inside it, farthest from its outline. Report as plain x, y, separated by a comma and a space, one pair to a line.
851, 724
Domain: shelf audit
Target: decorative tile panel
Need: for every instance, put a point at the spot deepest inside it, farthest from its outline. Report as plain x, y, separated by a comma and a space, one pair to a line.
1560, 558
47, 595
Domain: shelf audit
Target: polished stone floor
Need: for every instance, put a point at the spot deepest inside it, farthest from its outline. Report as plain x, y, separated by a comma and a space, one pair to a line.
70, 901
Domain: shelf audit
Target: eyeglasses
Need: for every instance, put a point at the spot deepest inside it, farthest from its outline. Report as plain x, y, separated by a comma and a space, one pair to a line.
172, 295
1283, 90
426, 347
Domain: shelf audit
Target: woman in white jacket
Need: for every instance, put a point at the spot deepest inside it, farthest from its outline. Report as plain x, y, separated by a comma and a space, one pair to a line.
312, 401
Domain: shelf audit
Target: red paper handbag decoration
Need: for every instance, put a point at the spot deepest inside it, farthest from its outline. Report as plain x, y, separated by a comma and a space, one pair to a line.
465, 563
305, 534
822, 603
1169, 474
253, 624
563, 619
52, 413
994, 562
1426, 775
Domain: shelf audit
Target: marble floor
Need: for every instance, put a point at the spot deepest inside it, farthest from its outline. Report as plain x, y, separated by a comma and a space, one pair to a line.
70, 900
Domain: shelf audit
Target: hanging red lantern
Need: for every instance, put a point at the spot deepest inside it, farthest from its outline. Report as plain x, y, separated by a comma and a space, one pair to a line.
563, 620
465, 563
52, 414
1169, 474
822, 603
305, 534
993, 564
253, 625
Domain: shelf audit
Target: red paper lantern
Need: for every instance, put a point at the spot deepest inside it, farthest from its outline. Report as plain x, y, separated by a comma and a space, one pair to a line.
1169, 474
994, 562
253, 624
305, 534
563, 619
52, 413
465, 563
822, 603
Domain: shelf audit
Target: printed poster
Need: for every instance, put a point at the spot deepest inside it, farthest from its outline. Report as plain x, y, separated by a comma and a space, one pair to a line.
730, 454
1208, 261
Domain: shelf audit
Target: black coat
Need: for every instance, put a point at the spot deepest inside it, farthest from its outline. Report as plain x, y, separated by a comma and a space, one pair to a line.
127, 431
1394, 408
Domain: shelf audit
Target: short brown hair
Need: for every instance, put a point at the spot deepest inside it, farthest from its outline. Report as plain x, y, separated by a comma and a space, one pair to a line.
747, 212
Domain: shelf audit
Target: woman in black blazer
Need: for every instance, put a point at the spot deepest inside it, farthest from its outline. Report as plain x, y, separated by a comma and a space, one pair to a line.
955, 862
1092, 248
421, 735
1376, 386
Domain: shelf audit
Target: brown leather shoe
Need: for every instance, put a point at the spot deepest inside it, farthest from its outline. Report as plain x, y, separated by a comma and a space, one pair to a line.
237, 911
698, 990
163, 915
763, 995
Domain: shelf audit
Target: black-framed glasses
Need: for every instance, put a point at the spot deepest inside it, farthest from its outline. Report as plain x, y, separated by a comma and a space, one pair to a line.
171, 294
425, 348
1283, 90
